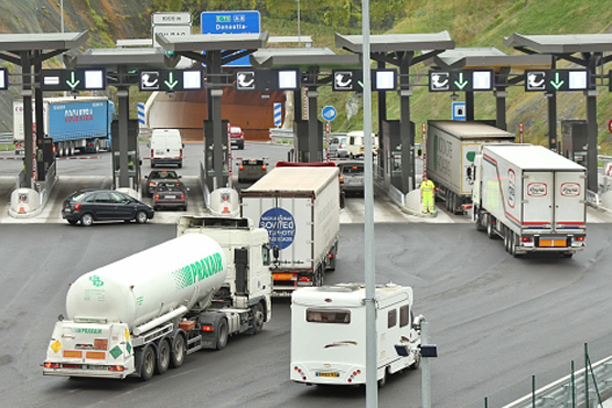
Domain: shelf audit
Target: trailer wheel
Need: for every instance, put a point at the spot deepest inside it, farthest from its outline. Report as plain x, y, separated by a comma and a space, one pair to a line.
258, 318
179, 351
96, 146
490, 231
148, 364
163, 356
222, 333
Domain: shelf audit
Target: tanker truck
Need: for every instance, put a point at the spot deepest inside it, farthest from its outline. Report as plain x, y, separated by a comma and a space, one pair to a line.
145, 313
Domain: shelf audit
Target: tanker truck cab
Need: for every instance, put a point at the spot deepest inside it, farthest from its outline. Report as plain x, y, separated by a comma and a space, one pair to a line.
328, 341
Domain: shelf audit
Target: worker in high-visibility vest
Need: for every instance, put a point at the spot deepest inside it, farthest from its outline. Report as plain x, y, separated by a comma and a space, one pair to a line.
427, 195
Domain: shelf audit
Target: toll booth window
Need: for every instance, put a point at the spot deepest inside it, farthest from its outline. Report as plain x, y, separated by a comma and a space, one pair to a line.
391, 318
404, 314
328, 316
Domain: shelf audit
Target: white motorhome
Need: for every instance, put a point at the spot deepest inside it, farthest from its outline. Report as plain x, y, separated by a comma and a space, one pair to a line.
328, 333
166, 147
355, 146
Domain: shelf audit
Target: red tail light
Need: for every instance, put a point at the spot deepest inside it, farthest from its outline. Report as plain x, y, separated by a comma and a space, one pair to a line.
116, 368
263, 167
181, 152
182, 197
77, 207
156, 197
527, 239
579, 239
52, 365
305, 279
151, 153
207, 328
241, 167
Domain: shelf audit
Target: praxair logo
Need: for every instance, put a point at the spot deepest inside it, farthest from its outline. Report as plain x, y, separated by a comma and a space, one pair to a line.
511, 188
570, 189
537, 189
96, 281
197, 271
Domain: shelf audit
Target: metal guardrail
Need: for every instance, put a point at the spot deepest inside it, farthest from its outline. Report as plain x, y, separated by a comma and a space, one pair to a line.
592, 198
281, 136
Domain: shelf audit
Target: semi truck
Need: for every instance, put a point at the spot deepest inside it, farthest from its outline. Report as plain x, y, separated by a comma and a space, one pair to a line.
451, 147
300, 209
533, 198
328, 335
81, 124
144, 314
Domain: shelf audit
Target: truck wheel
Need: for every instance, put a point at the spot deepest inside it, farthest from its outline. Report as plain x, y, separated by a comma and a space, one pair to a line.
222, 333
490, 231
179, 351
163, 356
97, 146
148, 364
86, 220
258, 318
71, 149
513, 243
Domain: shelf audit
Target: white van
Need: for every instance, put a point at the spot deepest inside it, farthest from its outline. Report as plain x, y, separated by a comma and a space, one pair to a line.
328, 333
355, 144
166, 147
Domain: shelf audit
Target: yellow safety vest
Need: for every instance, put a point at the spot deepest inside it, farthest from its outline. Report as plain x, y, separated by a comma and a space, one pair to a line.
427, 187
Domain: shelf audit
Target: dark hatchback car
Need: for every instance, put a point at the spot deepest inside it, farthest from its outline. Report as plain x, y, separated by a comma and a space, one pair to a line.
157, 176
170, 195
104, 205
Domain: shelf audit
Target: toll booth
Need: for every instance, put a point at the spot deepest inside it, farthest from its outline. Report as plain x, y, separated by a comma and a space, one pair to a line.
301, 138
210, 178
391, 159
134, 162
575, 140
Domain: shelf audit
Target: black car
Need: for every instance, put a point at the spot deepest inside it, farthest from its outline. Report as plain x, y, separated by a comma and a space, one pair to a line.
170, 194
157, 176
104, 205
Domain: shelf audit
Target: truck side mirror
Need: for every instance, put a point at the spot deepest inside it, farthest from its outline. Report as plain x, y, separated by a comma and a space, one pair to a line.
275, 252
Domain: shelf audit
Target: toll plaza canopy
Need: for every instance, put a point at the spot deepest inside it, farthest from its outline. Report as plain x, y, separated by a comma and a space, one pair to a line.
130, 58
490, 57
398, 50
27, 50
585, 50
303, 58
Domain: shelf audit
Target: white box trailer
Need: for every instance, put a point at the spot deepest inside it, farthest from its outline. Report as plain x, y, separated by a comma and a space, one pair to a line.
300, 208
533, 198
451, 148
328, 333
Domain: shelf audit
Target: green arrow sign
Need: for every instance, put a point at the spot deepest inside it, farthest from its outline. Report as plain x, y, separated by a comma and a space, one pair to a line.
73, 82
360, 83
171, 82
461, 83
557, 83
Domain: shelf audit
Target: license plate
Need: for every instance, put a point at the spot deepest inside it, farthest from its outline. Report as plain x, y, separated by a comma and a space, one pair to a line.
283, 276
170, 196
553, 243
329, 375
97, 367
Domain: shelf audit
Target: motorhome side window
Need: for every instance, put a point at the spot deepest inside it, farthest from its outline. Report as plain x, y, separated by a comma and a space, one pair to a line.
328, 316
391, 318
265, 255
404, 313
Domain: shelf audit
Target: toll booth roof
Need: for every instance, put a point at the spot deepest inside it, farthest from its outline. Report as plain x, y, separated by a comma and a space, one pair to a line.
303, 58
42, 41
397, 42
522, 156
295, 179
491, 58
213, 42
129, 57
562, 43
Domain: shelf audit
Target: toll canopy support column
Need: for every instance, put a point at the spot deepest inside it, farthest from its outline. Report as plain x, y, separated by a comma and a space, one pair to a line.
591, 111
382, 117
213, 67
500, 99
123, 96
314, 153
40, 126
406, 136
469, 105
552, 120
26, 70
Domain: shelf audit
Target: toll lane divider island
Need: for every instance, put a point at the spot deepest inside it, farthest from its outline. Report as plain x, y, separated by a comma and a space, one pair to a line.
146, 313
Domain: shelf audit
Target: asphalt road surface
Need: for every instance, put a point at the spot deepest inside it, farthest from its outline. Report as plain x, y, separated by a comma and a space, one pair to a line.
495, 319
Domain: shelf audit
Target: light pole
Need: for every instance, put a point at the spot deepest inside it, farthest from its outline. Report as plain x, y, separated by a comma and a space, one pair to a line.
62, 14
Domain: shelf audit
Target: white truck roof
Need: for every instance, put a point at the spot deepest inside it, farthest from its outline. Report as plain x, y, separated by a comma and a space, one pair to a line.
295, 179
529, 157
469, 130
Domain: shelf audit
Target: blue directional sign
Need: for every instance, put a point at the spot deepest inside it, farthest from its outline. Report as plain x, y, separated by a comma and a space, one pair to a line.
328, 113
231, 22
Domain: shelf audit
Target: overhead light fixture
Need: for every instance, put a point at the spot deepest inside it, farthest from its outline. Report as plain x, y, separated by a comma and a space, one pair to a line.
454, 96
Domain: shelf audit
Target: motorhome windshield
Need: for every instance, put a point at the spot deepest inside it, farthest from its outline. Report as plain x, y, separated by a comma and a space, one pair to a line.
328, 316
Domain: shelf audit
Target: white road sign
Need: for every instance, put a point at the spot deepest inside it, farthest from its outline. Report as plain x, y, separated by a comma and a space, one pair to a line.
440, 81
245, 80
178, 18
536, 81
343, 80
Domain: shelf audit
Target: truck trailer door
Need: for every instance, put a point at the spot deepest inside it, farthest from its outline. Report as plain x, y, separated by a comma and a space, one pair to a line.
538, 195
569, 200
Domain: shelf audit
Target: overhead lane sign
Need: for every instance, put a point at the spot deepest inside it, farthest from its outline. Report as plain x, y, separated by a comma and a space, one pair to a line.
3, 79
171, 80
562, 80
461, 81
352, 80
267, 80
74, 80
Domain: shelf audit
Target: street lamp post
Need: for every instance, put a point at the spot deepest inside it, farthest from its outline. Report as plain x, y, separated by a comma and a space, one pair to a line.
298, 21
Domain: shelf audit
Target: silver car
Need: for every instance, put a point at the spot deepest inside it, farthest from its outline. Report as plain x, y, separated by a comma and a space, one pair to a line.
337, 147
351, 175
